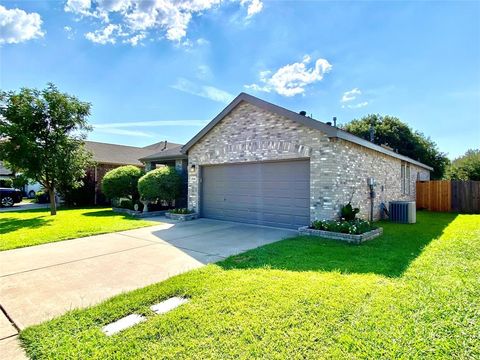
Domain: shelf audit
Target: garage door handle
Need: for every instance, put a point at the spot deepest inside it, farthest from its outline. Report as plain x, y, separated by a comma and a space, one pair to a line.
224, 199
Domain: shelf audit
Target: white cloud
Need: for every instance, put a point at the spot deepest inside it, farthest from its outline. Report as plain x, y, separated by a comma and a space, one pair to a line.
172, 17
292, 79
350, 95
356, 106
253, 7
115, 131
107, 35
208, 92
17, 26
153, 123
134, 40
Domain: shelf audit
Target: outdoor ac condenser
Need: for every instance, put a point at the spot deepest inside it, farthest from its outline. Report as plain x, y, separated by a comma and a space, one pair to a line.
403, 212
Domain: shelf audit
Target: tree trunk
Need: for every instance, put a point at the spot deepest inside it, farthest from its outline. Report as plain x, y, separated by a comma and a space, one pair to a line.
53, 205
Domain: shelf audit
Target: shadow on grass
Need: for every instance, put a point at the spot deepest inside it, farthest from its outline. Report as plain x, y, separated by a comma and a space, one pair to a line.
388, 255
10, 224
109, 213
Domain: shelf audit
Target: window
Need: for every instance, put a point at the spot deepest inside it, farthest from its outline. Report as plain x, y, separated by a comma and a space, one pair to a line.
405, 178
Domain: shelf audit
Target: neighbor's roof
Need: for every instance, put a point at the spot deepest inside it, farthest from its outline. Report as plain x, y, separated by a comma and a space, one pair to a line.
167, 154
331, 131
104, 153
4, 171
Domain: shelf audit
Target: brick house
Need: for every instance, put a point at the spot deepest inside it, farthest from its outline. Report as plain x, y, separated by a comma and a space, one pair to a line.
110, 156
259, 163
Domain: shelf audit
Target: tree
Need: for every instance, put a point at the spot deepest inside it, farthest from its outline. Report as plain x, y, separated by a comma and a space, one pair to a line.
161, 184
466, 167
42, 134
393, 132
122, 182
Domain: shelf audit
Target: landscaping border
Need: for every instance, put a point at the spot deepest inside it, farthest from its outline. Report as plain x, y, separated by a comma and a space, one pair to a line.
138, 214
350, 238
181, 217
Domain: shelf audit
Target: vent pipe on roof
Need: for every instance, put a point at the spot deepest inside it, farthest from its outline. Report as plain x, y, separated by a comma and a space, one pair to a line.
303, 113
164, 145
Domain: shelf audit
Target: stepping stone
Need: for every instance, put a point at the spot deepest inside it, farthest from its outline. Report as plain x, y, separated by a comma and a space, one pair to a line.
122, 324
167, 305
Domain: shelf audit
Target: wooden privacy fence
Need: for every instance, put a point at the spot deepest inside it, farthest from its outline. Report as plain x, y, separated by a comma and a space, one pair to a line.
449, 195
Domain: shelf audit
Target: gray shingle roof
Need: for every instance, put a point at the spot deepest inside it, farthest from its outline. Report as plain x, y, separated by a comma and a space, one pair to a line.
172, 153
123, 154
331, 131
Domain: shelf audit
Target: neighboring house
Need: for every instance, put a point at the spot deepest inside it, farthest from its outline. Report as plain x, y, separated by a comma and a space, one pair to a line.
6, 173
260, 163
110, 156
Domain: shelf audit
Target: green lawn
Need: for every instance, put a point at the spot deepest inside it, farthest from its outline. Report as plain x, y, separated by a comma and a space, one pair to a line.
414, 293
33, 227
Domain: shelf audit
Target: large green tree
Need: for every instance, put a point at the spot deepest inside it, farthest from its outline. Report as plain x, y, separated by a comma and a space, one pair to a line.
466, 167
42, 135
393, 132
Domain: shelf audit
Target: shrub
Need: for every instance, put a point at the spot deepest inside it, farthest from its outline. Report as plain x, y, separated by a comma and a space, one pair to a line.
122, 182
346, 227
6, 183
83, 195
181, 211
348, 212
161, 184
42, 197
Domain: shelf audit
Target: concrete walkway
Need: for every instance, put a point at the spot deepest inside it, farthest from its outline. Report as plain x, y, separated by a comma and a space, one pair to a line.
41, 282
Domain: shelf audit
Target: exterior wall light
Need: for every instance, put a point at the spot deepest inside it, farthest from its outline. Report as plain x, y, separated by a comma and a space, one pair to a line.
192, 168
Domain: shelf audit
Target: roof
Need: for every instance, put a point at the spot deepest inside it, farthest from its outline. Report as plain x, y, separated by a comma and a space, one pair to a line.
4, 171
330, 131
167, 154
105, 153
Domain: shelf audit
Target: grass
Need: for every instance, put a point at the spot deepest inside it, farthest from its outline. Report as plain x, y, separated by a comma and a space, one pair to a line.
34, 227
412, 293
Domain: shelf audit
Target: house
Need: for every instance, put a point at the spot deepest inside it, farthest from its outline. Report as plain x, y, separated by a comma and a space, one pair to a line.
110, 156
6, 173
257, 162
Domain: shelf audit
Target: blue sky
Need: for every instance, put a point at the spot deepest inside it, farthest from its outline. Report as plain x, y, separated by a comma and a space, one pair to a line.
161, 70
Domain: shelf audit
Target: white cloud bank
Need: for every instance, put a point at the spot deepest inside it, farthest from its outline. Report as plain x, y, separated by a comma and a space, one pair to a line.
17, 26
349, 96
292, 79
137, 18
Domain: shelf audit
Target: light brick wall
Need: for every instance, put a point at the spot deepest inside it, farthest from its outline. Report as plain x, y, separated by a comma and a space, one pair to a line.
249, 134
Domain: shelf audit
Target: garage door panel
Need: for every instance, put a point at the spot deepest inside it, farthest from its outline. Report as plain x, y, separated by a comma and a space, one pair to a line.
270, 193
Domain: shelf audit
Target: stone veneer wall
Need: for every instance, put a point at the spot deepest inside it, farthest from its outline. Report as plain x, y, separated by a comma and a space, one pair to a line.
250, 133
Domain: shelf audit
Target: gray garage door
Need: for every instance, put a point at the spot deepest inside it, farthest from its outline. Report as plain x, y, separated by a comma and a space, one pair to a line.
269, 193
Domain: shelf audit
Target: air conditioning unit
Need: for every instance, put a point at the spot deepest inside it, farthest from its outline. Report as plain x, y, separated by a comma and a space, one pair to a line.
403, 212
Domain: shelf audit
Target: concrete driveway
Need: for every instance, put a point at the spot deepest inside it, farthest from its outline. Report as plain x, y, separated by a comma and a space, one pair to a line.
41, 282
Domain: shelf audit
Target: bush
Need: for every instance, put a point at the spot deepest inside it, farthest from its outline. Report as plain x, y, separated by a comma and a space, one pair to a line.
181, 211
122, 182
6, 183
81, 196
161, 184
356, 227
42, 197
348, 212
